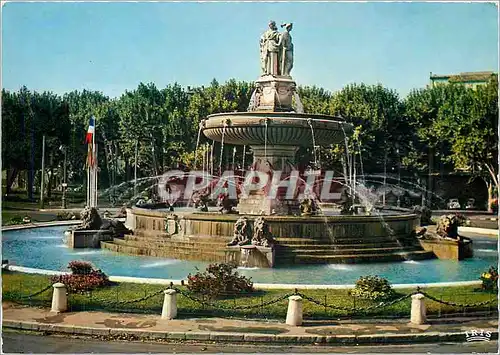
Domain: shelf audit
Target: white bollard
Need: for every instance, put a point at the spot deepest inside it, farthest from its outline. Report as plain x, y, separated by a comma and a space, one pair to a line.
418, 312
169, 310
59, 298
294, 312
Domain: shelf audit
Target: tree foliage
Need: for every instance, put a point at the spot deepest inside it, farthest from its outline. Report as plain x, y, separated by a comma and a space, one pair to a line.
458, 126
455, 125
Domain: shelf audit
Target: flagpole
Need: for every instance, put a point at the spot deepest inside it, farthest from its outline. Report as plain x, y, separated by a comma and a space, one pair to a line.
95, 175
94, 162
88, 179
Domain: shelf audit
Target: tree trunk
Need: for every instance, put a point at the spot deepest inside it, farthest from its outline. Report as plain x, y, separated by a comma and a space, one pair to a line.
107, 158
11, 177
108, 168
127, 170
490, 195
155, 166
31, 182
430, 186
49, 183
115, 162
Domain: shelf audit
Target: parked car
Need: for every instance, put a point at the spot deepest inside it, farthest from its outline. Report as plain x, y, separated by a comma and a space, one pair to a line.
471, 204
453, 204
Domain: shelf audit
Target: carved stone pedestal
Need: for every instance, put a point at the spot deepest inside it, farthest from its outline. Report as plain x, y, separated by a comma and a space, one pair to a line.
270, 160
251, 256
274, 93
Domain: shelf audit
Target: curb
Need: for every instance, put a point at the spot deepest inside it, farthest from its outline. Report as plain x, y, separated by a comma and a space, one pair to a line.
40, 225
139, 334
485, 231
259, 286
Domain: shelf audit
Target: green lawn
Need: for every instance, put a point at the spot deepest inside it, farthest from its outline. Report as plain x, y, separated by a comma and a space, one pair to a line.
16, 206
17, 285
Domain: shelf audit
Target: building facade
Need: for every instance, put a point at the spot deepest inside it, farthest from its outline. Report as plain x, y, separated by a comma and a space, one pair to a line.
469, 79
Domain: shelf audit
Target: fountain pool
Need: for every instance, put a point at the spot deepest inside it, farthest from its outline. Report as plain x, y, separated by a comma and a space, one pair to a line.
44, 248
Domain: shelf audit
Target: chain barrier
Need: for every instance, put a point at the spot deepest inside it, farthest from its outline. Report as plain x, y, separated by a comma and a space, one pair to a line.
354, 309
277, 300
124, 302
233, 307
37, 293
324, 304
466, 305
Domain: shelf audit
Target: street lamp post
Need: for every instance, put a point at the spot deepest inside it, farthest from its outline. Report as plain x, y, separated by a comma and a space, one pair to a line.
42, 179
65, 183
135, 167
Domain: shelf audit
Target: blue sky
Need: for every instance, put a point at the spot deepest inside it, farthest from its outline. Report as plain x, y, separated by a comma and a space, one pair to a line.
112, 47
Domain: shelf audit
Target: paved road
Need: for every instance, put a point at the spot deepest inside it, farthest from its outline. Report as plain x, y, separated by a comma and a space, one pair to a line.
17, 342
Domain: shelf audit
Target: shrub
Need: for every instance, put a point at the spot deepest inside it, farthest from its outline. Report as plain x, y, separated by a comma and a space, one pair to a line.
83, 277
219, 280
15, 220
490, 280
373, 288
66, 215
80, 267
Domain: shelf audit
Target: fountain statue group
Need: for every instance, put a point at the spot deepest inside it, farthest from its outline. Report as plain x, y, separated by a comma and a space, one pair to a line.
261, 235
275, 127
276, 50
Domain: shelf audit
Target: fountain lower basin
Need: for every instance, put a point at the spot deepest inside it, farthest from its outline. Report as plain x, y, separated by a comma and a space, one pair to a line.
43, 248
299, 240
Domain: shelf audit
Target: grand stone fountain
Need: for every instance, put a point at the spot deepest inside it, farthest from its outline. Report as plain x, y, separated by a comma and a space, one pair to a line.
267, 231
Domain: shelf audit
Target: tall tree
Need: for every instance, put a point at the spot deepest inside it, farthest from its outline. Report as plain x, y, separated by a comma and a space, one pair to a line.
379, 125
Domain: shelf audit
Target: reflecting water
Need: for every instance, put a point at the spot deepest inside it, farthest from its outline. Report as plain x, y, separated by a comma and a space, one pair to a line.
42, 248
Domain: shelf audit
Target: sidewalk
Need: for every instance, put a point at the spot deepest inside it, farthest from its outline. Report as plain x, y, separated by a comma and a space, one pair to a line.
151, 327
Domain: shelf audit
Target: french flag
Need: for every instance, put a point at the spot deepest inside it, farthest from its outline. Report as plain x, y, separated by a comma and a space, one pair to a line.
89, 140
90, 131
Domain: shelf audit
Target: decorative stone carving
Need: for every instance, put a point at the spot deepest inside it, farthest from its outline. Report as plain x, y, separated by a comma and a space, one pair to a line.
444, 241
93, 230
227, 204
286, 46
172, 224
269, 50
274, 94
447, 226
115, 227
346, 202
90, 219
420, 232
276, 50
261, 234
308, 207
425, 214
201, 201
447, 229
242, 232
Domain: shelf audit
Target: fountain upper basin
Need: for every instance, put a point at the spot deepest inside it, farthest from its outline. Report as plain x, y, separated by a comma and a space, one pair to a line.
283, 128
